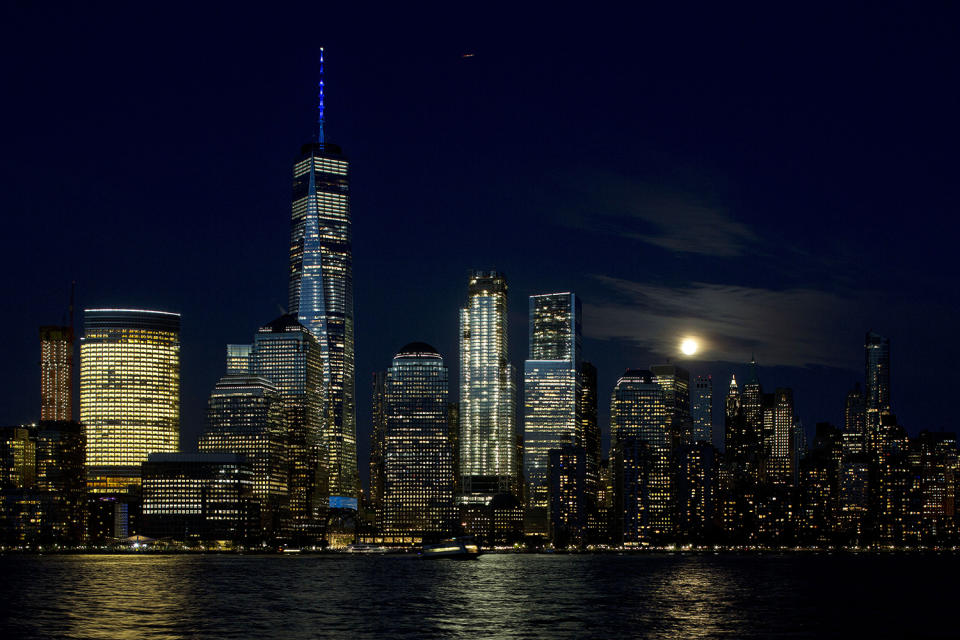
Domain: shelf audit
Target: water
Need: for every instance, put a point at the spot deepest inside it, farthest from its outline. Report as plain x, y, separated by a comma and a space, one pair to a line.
497, 596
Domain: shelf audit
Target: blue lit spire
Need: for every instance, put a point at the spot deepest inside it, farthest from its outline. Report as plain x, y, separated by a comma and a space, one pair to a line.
320, 103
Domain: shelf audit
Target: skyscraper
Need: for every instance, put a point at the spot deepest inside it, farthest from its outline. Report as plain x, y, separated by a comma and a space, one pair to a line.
590, 427
378, 444
129, 392
701, 409
640, 423
855, 422
675, 382
287, 354
551, 394
877, 360
56, 373
245, 416
321, 295
488, 433
418, 495
779, 444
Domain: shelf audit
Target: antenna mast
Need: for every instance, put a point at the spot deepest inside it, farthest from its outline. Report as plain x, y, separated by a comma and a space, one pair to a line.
320, 102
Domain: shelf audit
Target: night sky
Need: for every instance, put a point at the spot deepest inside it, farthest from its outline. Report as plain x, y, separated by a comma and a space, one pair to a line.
775, 181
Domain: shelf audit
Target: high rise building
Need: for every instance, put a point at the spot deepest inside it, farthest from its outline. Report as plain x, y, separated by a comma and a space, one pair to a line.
855, 423
675, 382
321, 295
567, 480
779, 443
378, 444
877, 396
641, 417
61, 476
245, 416
287, 354
418, 495
488, 433
591, 430
552, 390
56, 373
129, 392
701, 409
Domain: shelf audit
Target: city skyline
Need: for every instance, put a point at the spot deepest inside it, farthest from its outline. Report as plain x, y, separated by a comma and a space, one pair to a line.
431, 294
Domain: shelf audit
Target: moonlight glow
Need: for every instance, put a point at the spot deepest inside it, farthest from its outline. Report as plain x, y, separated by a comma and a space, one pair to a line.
689, 346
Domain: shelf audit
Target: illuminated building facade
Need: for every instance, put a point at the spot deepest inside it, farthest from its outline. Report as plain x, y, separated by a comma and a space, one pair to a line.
321, 294
378, 444
288, 355
61, 477
238, 359
56, 373
246, 417
42, 484
590, 427
779, 437
129, 392
197, 497
701, 409
488, 435
855, 423
552, 390
418, 495
640, 424
567, 473
877, 392
696, 477
675, 382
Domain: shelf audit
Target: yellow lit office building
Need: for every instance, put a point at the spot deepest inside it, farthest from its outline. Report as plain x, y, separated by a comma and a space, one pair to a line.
129, 392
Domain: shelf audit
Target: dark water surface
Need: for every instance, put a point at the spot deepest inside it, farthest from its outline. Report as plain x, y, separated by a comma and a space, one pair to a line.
497, 596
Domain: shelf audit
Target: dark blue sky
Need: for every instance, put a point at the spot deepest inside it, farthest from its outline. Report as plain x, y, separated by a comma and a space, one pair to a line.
774, 180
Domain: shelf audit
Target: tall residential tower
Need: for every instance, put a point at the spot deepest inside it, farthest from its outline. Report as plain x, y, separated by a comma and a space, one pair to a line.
488, 433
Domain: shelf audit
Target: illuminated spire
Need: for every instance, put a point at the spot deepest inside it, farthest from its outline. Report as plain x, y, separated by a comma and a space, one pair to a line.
320, 102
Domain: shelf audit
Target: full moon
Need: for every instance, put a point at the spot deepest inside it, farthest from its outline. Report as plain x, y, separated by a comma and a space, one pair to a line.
689, 346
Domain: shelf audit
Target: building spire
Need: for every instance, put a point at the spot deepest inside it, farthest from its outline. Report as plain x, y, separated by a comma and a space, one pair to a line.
320, 102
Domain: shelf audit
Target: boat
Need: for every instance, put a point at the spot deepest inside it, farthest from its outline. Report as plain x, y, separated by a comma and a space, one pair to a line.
365, 548
462, 548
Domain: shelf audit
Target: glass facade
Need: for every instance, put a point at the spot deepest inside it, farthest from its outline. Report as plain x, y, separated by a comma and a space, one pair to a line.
56, 373
238, 359
640, 421
489, 463
321, 294
701, 409
418, 457
552, 390
378, 443
287, 354
129, 392
205, 496
245, 416
675, 382
877, 396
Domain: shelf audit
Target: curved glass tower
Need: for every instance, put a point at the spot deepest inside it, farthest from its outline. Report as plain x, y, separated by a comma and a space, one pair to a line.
129, 392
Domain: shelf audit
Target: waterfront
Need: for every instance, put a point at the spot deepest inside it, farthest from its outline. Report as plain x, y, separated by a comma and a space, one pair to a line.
498, 596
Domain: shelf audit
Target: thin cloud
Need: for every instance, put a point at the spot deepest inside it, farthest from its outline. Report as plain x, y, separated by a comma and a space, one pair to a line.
670, 220
793, 327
